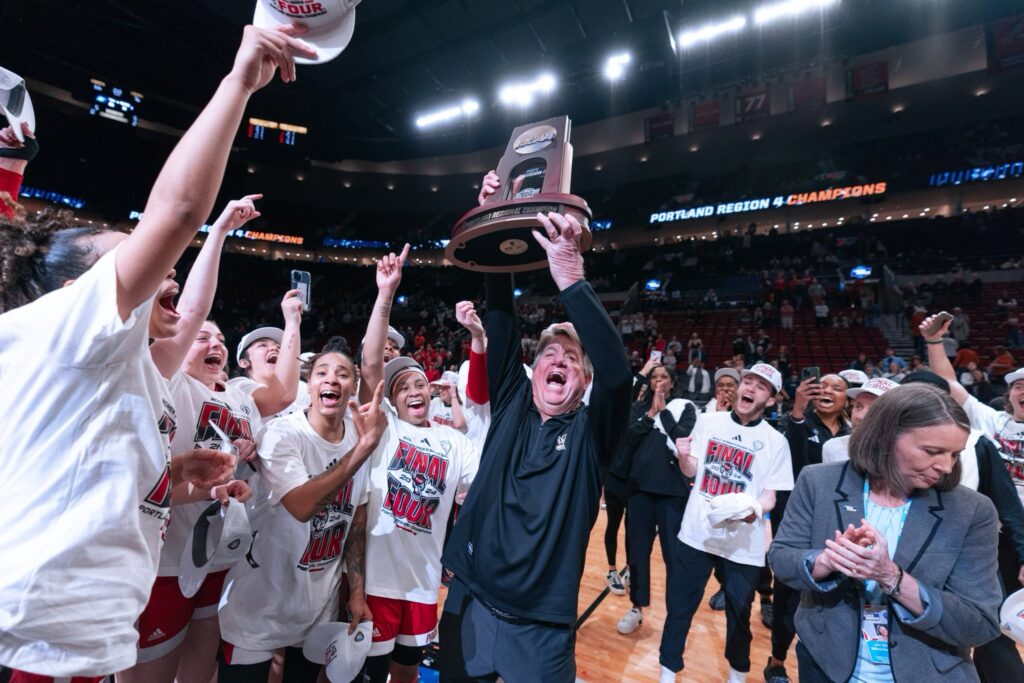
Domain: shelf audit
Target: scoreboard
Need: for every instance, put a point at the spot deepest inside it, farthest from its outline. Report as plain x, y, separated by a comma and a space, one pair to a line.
114, 102
275, 134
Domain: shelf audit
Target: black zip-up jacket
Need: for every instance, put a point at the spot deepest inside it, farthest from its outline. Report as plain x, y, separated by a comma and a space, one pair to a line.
805, 438
649, 464
521, 538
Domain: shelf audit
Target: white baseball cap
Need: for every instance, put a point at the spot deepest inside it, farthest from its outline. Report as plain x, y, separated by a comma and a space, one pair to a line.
396, 336
1014, 376
1011, 616
854, 378
875, 385
220, 536
732, 507
767, 373
329, 23
450, 377
331, 645
15, 103
274, 333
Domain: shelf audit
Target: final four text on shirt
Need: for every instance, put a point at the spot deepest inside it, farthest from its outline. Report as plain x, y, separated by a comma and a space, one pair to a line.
726, 469
416, 480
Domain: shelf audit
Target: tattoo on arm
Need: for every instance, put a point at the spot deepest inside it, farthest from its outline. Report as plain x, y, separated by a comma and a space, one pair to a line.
332, 494
385, 310
355, 550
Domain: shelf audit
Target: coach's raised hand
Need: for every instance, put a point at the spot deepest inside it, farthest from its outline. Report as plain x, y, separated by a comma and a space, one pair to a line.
562, 244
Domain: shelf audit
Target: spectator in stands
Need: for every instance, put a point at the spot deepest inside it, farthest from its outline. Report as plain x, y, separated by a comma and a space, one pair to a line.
785, 360
786, 312
895, 373
960, 327
816, 292
740, 344
841, 321
965, 356
981, 388
917, 316
675, 346
891, 357
727, 380
698, 383
695, 347
949, 346
763, 341
1006, 302
670, 361
711, 299
859, 362
1004, 362
917, 364
821, 314
651, 325
871, 371
1014, 339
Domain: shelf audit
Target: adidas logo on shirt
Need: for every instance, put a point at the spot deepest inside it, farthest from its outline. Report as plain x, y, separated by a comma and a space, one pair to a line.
737, 439
155, 635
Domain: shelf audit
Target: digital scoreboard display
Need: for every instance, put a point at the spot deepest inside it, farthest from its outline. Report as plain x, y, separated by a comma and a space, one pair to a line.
113, 102
275, 134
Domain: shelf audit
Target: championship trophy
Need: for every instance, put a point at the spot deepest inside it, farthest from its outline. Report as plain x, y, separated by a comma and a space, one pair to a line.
535, 171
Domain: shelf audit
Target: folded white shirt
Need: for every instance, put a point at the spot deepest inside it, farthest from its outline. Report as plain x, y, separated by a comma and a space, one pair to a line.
732, 507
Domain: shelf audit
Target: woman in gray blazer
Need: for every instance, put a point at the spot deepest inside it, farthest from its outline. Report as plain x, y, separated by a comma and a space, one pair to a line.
895, 561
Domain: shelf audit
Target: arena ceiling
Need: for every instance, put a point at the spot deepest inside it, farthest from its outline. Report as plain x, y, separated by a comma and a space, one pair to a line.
410, 56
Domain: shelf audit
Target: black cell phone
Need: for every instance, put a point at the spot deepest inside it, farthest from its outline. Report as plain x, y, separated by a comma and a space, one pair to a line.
302, 281
810, 372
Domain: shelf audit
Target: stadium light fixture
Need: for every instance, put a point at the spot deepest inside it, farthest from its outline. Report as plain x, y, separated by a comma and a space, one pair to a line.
522, 94
765, 14
709, 32
468, 107
615, 66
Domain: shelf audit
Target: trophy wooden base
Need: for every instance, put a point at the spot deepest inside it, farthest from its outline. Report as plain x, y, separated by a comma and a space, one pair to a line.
497, 237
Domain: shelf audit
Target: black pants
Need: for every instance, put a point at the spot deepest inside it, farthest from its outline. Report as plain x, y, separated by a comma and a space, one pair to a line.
999, 660
685, 589
809, 670
615, 507
786, 599
764, 583
650, 514
297, 669
478, 645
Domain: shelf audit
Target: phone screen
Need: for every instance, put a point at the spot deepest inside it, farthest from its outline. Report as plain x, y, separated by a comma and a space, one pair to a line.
656, 355
813, 372
302, 281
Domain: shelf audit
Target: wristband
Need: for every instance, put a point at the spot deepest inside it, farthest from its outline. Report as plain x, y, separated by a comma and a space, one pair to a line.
26, 152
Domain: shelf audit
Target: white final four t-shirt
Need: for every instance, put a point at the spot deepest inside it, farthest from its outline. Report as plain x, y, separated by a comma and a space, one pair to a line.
290, 582
733, 458
232, 409
1008, 434
85, 419
415, 475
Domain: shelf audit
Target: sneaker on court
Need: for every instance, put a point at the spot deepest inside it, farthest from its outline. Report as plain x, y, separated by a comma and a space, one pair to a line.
624, 575
667, 676
775, 674
717, 601
630, 621
766, 613
615, 584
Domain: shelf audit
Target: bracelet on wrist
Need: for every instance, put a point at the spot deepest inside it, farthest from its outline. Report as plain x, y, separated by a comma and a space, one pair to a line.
894, 590
932, 341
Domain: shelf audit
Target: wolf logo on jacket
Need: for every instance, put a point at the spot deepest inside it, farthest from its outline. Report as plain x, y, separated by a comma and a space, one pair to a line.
416, 481
727, 469
327, 531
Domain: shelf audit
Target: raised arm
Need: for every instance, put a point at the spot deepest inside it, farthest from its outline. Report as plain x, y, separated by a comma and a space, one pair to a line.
937, 360
371, 363
184, 192
280, 392
610, 398
196, 298
476, 387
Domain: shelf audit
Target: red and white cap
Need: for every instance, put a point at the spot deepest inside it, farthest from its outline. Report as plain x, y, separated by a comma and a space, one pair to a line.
875, 385
766, 372
329, 23
342, 653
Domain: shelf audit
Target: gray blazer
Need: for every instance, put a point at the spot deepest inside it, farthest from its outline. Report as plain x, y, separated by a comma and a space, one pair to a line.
948, 544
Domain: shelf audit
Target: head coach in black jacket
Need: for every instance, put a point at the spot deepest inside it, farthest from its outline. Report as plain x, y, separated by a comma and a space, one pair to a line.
896, 562
519, 545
